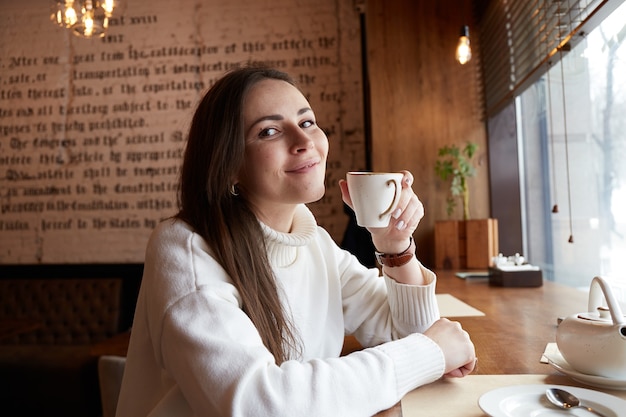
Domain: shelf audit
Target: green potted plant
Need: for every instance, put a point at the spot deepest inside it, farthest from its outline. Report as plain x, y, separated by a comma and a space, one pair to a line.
455, 164
468, 243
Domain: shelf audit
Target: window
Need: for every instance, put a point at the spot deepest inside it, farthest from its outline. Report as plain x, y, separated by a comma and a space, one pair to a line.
572, 144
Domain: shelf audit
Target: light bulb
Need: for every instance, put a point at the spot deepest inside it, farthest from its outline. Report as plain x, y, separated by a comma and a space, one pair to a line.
63, 13
108, 6
88, 25
463, 49
93, 23
70, 15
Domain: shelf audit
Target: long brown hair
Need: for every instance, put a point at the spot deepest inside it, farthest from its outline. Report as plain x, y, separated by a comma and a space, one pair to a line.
213, 157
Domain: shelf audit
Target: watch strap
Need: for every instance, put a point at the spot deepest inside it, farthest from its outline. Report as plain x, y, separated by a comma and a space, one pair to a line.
398, 259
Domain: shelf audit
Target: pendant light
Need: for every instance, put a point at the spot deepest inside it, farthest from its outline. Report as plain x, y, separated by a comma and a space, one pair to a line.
565, 46
548, 42
463, 49
85, 18
567, 170
555, 207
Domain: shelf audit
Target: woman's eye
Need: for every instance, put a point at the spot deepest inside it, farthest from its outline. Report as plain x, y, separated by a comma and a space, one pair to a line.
307, 123
267, 132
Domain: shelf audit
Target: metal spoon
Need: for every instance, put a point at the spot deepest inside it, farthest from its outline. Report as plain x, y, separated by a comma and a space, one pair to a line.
566, 401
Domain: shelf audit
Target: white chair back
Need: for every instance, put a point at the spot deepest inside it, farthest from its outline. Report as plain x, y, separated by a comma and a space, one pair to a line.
110, 373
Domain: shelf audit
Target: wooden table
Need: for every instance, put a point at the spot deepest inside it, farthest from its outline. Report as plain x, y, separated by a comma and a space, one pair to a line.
517, 325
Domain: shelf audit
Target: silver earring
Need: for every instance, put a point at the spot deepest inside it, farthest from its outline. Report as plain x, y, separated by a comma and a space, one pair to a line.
233, 190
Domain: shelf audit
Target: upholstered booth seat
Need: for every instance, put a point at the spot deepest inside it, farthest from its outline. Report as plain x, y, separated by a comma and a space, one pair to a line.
49, 370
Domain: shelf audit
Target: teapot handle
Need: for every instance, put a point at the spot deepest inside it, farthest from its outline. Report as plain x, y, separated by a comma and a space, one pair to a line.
598, 287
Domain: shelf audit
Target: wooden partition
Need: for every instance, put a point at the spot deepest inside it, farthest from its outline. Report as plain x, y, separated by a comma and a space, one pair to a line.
422, 99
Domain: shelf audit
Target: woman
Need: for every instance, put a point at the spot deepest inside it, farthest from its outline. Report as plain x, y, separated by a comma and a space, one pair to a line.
245, 301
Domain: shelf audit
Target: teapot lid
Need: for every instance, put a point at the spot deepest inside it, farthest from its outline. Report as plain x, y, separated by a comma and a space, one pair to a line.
602, 315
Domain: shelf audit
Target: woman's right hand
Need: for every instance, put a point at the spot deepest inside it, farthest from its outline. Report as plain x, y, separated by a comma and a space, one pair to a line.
458, 349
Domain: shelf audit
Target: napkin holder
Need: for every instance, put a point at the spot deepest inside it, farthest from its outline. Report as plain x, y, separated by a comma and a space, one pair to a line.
515, 276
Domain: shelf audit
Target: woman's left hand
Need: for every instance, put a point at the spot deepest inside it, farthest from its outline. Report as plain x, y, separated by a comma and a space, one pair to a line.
404, 219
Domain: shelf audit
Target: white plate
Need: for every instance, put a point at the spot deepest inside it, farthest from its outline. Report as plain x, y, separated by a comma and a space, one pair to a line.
556, 360
531, 401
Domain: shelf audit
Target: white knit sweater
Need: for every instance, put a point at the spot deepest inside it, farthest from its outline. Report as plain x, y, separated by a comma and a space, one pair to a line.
193, 351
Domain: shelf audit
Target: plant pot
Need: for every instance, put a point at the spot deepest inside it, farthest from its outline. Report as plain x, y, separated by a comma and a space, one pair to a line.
465, 244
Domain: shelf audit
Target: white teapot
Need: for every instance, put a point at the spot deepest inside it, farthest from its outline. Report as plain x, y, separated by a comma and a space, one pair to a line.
594, 343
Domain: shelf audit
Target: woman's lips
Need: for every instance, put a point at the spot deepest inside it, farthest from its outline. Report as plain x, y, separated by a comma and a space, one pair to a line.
305, 167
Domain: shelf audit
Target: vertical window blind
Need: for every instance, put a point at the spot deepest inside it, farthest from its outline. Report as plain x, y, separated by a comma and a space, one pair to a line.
520, 39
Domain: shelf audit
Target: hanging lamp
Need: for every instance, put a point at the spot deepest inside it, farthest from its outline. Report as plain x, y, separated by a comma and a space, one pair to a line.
463, 48
85, 18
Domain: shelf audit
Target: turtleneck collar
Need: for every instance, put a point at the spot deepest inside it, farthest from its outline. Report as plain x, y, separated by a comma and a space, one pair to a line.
282, 248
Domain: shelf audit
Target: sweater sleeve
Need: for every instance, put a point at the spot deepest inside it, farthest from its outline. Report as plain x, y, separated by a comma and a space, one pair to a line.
413, 308
379, 309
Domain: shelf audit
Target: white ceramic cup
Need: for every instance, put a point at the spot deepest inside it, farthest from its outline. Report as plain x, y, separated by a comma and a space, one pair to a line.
375, 196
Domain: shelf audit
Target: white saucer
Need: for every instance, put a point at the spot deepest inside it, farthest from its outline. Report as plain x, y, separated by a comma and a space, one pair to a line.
556, 360
530, 400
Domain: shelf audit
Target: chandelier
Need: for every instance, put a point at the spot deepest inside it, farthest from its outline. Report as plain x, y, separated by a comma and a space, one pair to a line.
85, 18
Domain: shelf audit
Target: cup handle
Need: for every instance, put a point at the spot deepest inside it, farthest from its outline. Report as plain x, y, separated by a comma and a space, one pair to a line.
394, 202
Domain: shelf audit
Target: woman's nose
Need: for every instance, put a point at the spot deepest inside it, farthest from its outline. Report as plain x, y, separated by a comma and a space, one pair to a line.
302, 141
